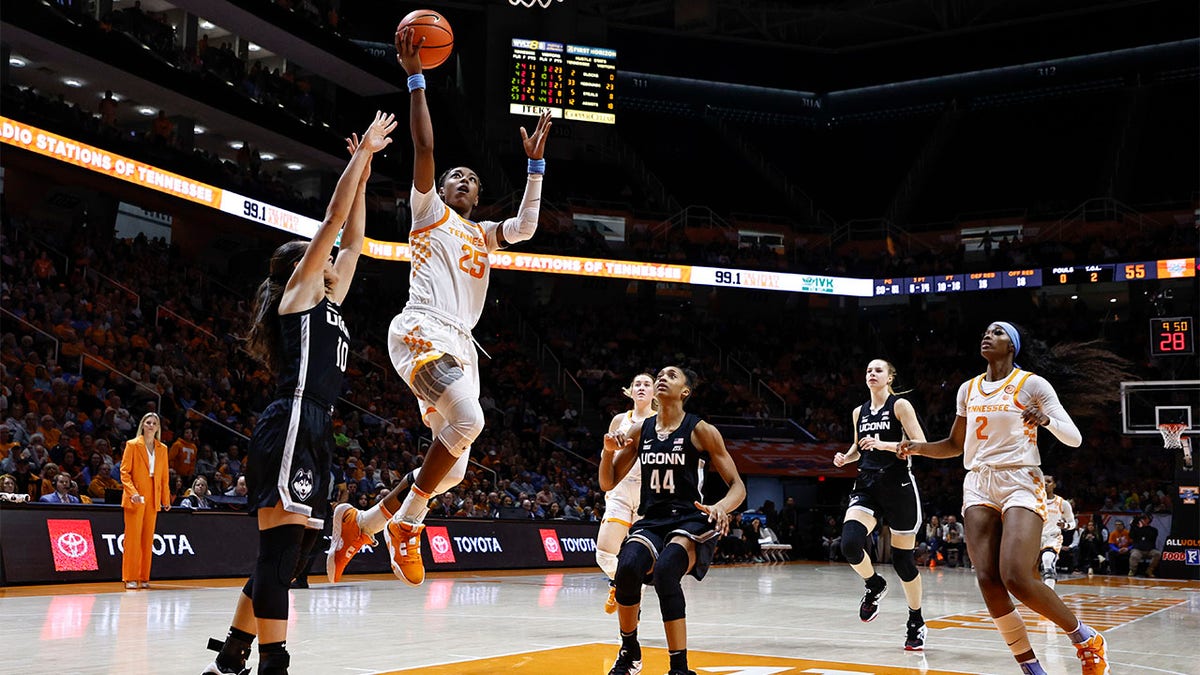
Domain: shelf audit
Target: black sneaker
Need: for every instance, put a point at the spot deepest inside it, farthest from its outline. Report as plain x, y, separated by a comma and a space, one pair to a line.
869, 609
915, 640
626, 664
681, 672
215, 668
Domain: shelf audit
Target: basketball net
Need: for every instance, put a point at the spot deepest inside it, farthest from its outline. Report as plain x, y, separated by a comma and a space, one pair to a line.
1172, 435
530, 3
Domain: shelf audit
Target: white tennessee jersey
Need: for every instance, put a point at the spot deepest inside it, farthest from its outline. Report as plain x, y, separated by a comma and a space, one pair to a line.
450, 266
1059, 516
629, 422
995, 434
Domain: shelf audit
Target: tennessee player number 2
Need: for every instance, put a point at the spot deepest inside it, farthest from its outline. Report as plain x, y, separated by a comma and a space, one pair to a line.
473, 262
981, 421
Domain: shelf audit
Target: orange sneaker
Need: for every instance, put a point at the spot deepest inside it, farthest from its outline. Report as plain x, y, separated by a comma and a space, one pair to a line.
1093, 656
610, 605
404, 546
345, 542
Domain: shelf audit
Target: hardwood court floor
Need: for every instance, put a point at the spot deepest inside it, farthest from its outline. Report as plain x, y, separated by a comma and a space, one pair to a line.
749, 619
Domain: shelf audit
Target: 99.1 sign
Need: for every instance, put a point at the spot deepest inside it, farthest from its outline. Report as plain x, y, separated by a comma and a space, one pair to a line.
1172, 335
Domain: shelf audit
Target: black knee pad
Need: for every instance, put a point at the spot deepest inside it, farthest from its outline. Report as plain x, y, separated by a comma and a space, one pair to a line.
633, 562
854, 541
669, 569
307, 543
278, 554
905, 564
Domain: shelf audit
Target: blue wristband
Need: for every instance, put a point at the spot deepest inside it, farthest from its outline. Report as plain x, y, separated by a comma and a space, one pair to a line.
537, 166
416, 82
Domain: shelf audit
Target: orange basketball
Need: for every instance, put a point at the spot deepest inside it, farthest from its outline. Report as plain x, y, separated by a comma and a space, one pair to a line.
439, 37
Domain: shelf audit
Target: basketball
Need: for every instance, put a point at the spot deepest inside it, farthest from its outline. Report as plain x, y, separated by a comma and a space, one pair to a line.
439, 37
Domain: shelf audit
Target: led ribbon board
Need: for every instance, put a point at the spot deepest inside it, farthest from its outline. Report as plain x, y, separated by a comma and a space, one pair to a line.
47, 144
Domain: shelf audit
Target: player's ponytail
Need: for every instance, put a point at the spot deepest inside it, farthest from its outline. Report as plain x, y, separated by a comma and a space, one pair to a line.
891, 369
263, 340
1086, 375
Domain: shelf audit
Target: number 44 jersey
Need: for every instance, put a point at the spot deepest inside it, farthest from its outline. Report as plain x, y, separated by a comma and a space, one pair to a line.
672, 468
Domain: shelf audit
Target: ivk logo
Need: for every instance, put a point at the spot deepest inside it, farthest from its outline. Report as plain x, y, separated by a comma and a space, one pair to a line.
551, 545
72, 545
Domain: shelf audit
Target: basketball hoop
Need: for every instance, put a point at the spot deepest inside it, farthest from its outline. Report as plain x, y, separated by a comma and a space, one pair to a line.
530, 3
1172, 435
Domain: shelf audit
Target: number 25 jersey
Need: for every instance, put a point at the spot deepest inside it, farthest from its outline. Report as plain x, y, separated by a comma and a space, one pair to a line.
450, 266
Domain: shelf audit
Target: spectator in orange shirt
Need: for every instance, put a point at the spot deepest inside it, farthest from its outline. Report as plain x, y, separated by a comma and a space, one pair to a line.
6, 449
102, 481
49, 430
43, 267
97, 333
163, 129
183, 455
1119, 546
45, 484
72, 439
83, 498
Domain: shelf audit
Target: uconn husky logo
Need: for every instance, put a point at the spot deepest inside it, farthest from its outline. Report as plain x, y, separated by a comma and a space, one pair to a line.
302, 483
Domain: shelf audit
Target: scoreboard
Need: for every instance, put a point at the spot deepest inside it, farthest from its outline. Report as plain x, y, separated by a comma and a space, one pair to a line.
573, 81
1178, 268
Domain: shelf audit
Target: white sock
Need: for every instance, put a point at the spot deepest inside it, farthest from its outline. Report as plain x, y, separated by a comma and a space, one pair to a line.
414, 508
374, 519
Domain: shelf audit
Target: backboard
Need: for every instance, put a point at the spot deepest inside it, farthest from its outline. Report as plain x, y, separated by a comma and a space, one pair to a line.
1145, 405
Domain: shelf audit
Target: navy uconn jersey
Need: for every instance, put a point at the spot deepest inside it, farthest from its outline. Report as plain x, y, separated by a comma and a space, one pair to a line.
884, 426
316, 346
672, 469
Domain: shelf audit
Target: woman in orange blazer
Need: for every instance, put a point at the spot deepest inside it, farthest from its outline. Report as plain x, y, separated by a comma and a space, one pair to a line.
144, 474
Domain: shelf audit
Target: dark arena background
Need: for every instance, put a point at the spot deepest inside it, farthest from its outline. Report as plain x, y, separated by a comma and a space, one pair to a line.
772, 194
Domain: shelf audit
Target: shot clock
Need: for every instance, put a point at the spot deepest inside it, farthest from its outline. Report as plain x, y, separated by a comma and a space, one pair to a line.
1172, 335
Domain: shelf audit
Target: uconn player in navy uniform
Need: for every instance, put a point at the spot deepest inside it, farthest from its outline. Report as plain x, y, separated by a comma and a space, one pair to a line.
884, 488
676, 535
299, 333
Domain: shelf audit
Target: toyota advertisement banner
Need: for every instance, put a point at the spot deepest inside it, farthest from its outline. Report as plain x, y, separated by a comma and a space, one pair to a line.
473, 544
45, 544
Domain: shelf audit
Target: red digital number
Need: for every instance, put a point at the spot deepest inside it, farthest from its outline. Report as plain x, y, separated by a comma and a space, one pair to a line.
1171, 342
